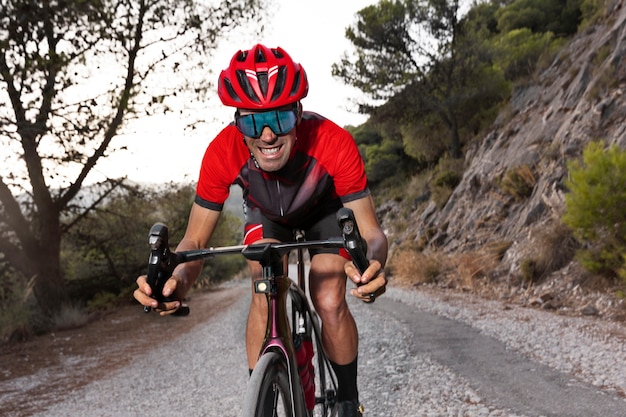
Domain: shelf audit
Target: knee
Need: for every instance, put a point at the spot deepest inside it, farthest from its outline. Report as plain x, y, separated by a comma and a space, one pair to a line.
329, 304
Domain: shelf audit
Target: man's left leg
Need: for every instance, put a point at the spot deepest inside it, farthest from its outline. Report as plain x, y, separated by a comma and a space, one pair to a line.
327, 283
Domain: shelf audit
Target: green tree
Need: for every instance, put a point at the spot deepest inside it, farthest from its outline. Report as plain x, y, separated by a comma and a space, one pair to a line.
420, 51
595, 207
73, 73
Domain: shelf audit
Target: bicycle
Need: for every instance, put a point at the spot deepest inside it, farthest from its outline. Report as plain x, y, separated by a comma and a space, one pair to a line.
280, 384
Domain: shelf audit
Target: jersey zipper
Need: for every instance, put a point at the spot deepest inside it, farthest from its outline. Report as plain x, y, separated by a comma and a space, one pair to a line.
280, 200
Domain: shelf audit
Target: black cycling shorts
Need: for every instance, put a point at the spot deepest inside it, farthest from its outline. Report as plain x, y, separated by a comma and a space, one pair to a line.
322, 227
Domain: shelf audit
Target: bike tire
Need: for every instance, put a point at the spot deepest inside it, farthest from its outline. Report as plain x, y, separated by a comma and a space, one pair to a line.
268, 393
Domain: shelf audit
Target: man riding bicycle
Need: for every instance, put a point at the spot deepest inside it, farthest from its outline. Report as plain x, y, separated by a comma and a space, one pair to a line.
296, 170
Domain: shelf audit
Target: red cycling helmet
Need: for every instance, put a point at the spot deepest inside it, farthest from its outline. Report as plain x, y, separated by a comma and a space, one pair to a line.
262, 78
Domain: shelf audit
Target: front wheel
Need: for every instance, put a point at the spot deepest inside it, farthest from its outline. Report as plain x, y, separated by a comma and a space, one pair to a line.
268, 393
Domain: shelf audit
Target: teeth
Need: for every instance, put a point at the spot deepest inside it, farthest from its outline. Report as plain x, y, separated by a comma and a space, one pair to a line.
270, 151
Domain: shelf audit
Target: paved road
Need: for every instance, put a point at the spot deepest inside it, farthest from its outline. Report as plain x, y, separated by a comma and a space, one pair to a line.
503, 378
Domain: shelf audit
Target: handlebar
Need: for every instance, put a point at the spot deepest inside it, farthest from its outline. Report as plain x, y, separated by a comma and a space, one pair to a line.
163, 261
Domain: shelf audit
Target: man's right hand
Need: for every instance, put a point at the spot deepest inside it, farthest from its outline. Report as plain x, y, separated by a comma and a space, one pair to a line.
143, 294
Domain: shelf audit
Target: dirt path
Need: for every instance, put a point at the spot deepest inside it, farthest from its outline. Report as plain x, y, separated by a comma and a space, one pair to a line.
38, 371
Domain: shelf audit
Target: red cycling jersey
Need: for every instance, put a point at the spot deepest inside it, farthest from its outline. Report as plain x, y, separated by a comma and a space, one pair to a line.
324, 170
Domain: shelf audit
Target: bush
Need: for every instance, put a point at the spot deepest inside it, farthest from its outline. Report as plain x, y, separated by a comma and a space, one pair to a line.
518, 182
595, 208
520, 50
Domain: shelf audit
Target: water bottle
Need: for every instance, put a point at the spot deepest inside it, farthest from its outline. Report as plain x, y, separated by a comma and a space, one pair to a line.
304, 357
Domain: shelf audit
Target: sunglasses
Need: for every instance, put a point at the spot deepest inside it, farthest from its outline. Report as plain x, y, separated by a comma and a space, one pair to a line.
280, 121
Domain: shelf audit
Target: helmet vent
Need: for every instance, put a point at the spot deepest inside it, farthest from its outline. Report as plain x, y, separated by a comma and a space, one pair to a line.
231, 91
280, 82
262, 78
246, 86
259, 56
296, 84
242, 56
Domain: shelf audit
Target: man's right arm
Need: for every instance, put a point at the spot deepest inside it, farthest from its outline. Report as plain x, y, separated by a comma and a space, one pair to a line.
200, 227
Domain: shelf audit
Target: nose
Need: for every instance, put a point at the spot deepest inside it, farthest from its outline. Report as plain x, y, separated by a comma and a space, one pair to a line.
267, 135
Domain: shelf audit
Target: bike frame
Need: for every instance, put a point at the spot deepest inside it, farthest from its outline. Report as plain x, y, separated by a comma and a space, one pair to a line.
274, 283
277, 285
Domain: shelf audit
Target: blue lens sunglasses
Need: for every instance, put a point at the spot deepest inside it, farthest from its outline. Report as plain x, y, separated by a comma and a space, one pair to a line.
280, 121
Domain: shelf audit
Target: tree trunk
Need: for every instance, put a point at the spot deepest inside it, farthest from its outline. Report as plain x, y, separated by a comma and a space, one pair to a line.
455, 141
50, 289
455, 144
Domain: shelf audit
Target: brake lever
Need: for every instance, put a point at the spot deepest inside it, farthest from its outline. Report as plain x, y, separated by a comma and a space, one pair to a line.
161, 265
354, 243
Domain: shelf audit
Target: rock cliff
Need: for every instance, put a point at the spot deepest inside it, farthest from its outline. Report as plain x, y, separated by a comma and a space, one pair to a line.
512, 191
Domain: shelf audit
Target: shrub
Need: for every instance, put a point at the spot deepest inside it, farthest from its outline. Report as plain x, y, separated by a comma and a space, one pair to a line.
411, 267
554, 247
518, 182
519, 51
595, 208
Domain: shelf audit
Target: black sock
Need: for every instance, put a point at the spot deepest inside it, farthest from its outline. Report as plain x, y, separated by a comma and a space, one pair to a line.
346, 380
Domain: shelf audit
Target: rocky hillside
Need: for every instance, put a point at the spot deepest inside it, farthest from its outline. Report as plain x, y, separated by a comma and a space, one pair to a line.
578, 98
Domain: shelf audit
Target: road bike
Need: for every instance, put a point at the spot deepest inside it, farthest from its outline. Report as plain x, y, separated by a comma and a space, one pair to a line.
285, 382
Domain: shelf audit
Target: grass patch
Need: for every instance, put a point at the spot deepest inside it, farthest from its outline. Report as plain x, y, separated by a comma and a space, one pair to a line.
518, 182
411, 267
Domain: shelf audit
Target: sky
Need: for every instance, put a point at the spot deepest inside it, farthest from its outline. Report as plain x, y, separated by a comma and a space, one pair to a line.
313, 33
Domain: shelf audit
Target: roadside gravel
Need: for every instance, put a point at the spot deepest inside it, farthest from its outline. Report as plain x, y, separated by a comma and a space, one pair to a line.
591, 349
204, 372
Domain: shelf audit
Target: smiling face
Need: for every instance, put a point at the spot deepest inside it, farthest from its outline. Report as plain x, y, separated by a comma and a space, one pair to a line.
274, 144
270, 150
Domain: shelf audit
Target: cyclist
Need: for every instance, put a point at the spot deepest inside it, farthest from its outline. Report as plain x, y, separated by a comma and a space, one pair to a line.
296, 169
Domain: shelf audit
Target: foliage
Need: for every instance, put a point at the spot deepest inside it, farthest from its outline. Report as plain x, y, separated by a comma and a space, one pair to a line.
365, 135
411, 267
73, 74
424, 140
106, 252
434, 69
108, 248
518, 182
445, 177
560, 17
595, 207
16, 313
438, 79
520, 49
383, 160
404, 43
592, 11
384, 45
222, 268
